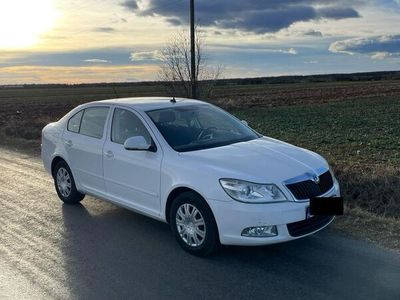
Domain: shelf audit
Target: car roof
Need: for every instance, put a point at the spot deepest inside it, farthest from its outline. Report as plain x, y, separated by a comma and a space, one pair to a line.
150, 103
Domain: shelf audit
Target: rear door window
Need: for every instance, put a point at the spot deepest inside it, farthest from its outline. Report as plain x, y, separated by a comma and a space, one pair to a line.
75, 122
93, 121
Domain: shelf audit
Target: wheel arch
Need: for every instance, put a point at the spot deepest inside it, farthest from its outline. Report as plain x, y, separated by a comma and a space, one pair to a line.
56, 159
175, 193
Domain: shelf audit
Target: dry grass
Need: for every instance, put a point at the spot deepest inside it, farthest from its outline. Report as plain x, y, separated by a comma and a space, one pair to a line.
361, 224
372, 188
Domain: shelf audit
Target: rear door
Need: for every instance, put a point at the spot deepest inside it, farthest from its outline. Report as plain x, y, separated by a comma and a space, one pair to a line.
84, 139
132, 177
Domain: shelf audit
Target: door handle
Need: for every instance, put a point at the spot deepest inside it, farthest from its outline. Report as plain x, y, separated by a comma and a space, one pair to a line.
109, 154
68, 143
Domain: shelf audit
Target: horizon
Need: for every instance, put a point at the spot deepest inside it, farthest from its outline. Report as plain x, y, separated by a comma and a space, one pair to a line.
57, 41
225, 79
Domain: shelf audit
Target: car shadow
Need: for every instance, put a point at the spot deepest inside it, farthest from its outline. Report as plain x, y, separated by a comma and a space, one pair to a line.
111, 253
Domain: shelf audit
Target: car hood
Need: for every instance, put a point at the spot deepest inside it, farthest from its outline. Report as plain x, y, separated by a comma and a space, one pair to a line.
261, 160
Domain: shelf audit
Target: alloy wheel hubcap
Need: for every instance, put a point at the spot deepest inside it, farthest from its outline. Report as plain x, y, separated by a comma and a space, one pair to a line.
63, 182
190, 224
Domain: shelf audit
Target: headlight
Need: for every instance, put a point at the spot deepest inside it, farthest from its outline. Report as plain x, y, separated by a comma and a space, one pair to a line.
249, 192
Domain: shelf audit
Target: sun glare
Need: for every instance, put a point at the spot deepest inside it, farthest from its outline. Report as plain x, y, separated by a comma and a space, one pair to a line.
22, 22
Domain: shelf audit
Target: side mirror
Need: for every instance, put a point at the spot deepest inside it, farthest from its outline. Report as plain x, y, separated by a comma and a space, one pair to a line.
138, 143
245, 122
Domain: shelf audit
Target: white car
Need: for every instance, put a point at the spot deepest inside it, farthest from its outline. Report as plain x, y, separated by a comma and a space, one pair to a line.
191, 164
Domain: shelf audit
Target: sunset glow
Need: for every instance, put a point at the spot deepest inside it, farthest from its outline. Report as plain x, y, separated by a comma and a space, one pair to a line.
22, 22
43, 41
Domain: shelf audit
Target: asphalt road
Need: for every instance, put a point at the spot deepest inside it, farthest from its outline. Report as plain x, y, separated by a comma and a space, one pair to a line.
100, 251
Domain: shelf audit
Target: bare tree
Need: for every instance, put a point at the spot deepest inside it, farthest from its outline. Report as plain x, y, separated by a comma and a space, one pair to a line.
175, 69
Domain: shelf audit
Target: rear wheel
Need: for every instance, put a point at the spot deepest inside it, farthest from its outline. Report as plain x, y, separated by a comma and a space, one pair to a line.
193, 224
65, 184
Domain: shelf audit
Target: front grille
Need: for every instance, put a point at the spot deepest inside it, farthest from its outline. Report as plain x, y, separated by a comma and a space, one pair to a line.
307, 226
307, 189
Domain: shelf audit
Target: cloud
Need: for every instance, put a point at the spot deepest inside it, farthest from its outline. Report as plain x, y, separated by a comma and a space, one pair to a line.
145, 55
252, 49
114, 56
381, 55
78, 74
313, 32
96, 60
249, 16
290, 51
174, 21
338, 12
378, 47
104, 29
131, 4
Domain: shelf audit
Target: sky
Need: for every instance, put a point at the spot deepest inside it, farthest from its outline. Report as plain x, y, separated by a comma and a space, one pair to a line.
84, 41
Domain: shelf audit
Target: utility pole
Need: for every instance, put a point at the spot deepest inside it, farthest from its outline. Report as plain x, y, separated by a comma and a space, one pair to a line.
193, 51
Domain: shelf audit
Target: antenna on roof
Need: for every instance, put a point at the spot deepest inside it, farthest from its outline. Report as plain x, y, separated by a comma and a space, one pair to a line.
173, 100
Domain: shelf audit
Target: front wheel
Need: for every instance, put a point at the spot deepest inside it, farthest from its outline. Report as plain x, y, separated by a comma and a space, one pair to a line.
193, 224
65, 184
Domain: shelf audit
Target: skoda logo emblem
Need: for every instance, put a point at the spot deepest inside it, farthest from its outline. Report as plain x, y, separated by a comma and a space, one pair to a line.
315, 179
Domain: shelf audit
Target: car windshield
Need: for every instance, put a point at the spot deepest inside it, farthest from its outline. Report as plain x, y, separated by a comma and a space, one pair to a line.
196, 127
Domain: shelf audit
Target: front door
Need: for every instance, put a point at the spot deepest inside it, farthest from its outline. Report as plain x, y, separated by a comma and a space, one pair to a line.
131, 177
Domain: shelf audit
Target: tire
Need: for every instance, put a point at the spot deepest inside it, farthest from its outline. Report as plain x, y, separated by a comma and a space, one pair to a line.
197, 239
65, 184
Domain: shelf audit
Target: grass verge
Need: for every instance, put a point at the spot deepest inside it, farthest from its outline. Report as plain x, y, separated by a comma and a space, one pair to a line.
368, 226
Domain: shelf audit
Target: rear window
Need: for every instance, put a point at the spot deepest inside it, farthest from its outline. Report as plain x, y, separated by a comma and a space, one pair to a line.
93, 121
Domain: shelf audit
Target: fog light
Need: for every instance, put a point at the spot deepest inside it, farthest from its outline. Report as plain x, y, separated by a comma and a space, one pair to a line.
260, 231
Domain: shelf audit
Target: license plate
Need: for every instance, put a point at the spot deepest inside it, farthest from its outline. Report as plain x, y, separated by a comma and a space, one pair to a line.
320, 206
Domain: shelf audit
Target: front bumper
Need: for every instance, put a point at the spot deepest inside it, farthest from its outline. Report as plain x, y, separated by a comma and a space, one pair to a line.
232, 217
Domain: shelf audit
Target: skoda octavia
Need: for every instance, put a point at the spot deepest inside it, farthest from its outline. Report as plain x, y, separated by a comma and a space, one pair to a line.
190, 164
